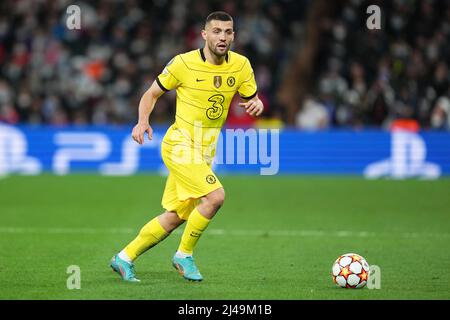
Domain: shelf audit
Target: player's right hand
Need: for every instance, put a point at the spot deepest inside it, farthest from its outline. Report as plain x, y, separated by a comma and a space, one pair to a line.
139, 130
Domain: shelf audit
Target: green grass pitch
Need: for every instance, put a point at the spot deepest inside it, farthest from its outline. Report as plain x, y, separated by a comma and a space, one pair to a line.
274, 238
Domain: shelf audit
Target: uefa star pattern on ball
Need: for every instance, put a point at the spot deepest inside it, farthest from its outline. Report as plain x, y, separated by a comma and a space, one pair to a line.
350, 270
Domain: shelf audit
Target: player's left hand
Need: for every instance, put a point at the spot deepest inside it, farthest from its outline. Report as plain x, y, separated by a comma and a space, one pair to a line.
253, 107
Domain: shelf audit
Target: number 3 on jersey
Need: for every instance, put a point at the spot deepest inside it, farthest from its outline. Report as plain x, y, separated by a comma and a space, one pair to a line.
215, 111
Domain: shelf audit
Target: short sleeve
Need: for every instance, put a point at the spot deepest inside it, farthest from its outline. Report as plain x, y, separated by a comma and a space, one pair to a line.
168, 79
248, 88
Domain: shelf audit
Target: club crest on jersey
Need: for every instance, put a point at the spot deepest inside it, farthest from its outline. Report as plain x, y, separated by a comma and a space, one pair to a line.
231, 81
217, 81
210, 179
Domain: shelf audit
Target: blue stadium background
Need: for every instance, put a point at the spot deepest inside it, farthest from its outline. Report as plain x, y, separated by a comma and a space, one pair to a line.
331, 86
111, 151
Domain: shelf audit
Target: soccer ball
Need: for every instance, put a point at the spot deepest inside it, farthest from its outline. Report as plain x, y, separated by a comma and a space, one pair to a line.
350, 270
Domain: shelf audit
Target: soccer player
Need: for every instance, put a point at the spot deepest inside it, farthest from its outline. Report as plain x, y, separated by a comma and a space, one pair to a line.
205, 81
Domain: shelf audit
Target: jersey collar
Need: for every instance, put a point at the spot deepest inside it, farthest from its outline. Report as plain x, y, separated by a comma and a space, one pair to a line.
202, 54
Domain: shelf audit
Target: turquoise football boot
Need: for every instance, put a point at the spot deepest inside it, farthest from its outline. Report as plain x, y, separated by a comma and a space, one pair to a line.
187, 268
125, 269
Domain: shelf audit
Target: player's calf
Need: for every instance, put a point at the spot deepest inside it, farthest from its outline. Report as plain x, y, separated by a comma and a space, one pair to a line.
170, 221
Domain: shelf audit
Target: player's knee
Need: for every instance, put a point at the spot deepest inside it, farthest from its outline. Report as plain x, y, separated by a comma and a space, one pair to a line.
217, 198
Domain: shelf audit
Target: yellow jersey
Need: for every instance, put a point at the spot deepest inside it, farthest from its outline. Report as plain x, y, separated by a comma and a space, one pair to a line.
204, 92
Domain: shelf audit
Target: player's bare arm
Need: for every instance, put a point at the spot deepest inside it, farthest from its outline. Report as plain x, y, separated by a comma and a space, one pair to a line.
253, 107
146, 106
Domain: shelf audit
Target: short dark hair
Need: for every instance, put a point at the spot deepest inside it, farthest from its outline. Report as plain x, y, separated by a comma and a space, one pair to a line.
218, 15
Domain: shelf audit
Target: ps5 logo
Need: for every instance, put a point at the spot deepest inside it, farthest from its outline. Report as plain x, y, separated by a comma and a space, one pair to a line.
96, 146
13, 153
408, 159
71, 147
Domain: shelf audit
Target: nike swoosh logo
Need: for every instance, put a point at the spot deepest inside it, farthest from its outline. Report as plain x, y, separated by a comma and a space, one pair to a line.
198, 80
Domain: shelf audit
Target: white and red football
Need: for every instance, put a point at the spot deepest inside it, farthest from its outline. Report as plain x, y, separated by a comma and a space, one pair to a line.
350, 270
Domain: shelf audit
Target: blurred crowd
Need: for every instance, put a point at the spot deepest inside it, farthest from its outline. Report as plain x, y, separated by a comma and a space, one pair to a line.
316, 64
370, 78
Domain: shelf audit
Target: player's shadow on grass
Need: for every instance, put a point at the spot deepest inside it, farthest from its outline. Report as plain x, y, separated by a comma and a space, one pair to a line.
149, 276
166, 277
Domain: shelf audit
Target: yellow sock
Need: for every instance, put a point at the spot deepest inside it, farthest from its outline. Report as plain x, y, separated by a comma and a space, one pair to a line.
149, 236
195, 226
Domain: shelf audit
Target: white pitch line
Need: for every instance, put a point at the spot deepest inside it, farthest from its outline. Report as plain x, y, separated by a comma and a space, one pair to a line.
65, 230
233, 232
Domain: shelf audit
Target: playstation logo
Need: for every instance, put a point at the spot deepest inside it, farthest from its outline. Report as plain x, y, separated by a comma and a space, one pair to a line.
408, 158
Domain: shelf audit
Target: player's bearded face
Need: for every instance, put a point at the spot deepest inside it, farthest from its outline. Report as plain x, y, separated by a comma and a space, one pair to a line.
219, 36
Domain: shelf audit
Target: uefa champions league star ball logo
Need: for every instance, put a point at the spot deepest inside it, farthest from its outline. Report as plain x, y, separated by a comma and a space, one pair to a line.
350, 270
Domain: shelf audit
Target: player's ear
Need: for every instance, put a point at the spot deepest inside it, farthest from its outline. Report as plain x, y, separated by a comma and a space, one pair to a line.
204, 34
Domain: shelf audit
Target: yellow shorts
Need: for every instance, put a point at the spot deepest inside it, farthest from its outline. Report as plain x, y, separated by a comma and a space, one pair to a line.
190, 178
